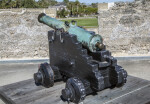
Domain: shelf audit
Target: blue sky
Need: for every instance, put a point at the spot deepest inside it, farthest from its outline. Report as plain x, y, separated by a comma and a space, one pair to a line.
95, 1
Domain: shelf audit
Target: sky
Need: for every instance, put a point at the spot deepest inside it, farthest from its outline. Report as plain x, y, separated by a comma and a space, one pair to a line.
99, 1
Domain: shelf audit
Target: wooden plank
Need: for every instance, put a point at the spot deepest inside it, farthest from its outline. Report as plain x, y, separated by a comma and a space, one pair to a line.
26, 92
5, 98
109, 94
142, 93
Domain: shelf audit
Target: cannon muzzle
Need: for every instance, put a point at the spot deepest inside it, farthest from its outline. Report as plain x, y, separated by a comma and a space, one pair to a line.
40, 16
51, 22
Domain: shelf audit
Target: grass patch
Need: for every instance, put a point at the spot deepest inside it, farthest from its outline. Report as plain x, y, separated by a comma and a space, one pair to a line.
86, 22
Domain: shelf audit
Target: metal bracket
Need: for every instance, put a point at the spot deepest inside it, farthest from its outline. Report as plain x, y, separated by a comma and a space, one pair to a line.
61, 39
52, 38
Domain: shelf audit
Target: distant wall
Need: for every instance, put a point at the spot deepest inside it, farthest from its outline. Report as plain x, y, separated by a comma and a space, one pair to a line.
105, 6
49, 11
21, 35
126, 27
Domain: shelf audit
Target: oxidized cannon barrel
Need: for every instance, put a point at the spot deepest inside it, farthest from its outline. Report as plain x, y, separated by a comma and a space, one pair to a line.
51, 22
93, 42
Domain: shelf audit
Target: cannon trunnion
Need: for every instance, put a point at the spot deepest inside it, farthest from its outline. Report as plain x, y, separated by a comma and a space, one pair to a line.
83, 71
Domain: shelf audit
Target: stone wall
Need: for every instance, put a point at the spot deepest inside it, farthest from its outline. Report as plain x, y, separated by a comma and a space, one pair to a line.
50, 11
21, 35
126, 27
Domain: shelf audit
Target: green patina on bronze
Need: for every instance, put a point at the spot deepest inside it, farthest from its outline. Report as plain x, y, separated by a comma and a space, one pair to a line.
88, 39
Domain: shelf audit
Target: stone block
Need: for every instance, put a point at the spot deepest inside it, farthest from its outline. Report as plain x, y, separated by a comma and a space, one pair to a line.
127, 28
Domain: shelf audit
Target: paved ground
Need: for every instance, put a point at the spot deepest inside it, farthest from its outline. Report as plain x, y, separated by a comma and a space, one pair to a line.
139, 69
17, 72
